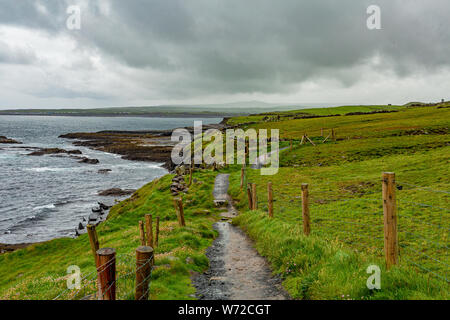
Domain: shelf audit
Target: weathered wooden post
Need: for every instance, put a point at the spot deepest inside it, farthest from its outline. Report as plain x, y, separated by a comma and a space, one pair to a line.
144, 265
333, 135
305, 209
270, 199
149, 227
254, 200
180, 206
178, 203
93, 240
390, 219
249, 194
242, 178
95, 245
310, 140
142, 232
303, 139
157, 232
106, 272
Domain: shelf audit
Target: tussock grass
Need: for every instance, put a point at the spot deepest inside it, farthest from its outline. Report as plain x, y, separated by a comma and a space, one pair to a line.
39, 271
313, 268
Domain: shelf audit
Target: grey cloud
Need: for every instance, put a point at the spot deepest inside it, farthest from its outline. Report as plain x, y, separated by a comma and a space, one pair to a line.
235, 46
68, 93
10, 55
26, 13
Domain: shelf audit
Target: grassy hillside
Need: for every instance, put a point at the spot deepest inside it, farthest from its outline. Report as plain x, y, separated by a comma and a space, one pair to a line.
39, 271
344, 178
346, 209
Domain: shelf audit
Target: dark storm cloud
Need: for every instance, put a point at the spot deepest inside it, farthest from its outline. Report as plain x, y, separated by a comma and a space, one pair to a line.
235, 46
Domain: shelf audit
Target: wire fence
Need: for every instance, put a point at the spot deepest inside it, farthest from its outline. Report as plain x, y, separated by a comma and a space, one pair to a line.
353, 214
124, 283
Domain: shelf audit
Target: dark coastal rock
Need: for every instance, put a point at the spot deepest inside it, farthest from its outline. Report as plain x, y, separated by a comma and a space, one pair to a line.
44, 151
116, 192
80, 226
104, 171
92, 219
6, 140
104, 206
88, 161
97, 210
74, 152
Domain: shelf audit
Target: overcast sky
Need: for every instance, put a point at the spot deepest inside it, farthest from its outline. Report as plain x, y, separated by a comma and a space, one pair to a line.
138, 52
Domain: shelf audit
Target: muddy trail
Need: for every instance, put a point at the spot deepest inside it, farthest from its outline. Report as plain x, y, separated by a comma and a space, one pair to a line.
237, 271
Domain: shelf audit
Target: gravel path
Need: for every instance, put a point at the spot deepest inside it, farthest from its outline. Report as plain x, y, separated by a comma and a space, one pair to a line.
263, 159
236, 270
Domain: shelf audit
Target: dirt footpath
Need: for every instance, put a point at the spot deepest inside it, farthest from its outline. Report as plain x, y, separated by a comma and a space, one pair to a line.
236, 270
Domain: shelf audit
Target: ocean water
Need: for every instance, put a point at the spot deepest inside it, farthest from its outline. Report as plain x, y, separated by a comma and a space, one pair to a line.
45, 197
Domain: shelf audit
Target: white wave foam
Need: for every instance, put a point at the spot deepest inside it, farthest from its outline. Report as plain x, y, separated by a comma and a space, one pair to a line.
47, 206
49, 169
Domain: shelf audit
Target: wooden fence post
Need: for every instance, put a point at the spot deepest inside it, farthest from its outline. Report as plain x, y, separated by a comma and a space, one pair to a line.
93, 240
254, 200
149, 227
333, 135
305, 209
157, 232
106, 272
310, 140
144, 265
95, 245
249, 194
142, 232
178, 203
242, 178
390, 219
180, 206
270, 199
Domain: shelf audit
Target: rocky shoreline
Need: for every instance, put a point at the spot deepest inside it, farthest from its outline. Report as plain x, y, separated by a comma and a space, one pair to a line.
149, 146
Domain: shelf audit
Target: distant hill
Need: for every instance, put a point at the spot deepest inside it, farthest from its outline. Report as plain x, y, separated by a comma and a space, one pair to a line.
209, 110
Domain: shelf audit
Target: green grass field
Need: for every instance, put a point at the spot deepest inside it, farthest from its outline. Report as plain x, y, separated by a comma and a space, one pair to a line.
344, 178
39, 271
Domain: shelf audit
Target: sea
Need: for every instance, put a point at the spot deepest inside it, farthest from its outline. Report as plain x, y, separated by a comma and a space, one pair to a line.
45, 197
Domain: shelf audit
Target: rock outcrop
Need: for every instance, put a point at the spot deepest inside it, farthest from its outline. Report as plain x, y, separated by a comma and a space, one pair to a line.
6, 140
88, 161
178, 183
44, 151
116, 192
